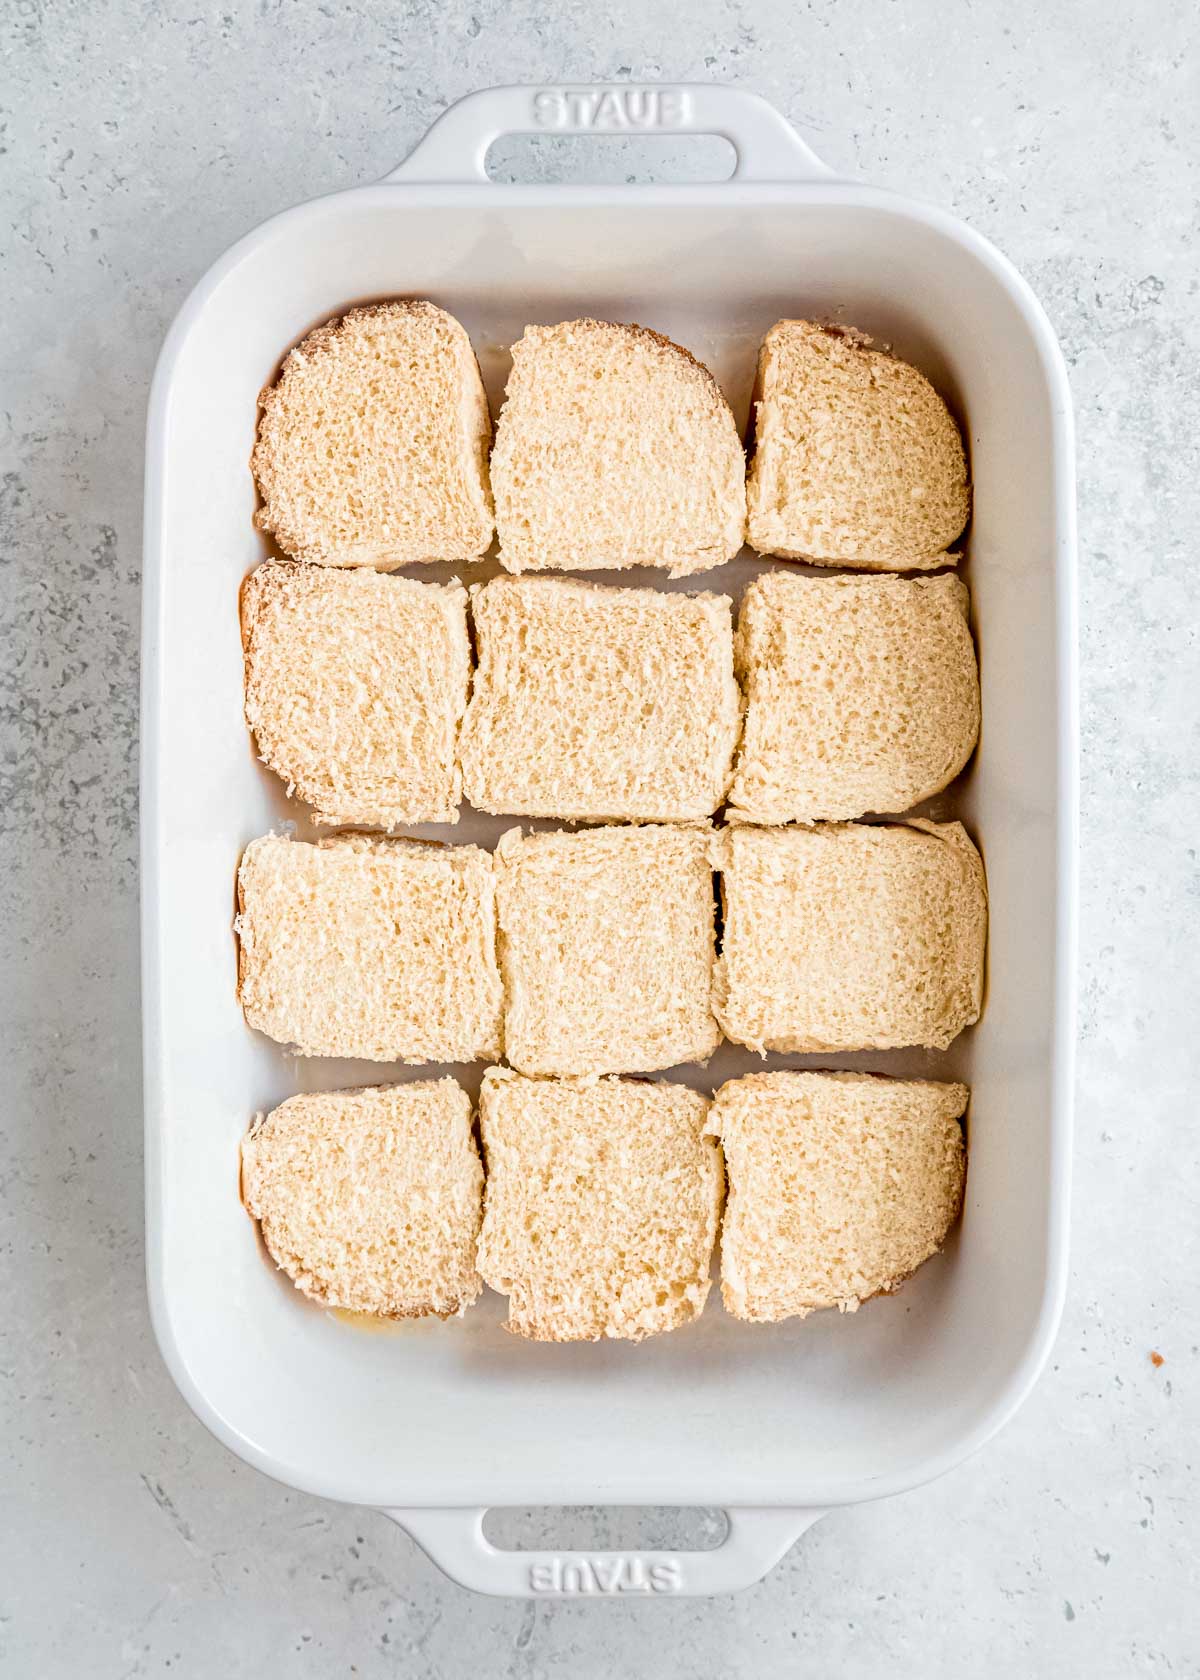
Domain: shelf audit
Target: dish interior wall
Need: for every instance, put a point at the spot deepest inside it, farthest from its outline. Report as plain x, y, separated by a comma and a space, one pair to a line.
806, 1412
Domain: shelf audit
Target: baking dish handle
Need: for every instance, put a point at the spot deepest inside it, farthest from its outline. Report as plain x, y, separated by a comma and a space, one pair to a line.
767, 146
454, 1540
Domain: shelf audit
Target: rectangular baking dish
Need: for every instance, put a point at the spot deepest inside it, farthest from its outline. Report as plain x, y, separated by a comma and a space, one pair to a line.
431, 1422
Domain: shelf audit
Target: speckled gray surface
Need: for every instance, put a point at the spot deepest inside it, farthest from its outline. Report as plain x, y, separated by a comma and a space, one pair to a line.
139, 141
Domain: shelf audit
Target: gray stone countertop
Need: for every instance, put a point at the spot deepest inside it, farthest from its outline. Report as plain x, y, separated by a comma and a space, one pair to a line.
139, 140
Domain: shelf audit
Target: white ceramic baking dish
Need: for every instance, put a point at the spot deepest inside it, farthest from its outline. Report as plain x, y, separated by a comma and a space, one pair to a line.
434, 1423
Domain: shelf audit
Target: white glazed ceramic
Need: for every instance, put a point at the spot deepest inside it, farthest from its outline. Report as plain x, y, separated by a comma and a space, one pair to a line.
433, 1422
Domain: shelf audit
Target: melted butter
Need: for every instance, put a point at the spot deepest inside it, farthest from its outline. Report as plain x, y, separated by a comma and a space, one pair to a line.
376, 1326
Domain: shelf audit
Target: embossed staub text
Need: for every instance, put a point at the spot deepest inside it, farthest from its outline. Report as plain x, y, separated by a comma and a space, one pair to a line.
611, 108
580, 1576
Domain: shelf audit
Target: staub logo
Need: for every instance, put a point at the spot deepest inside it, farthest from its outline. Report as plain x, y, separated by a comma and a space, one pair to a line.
611, 108
578, 1576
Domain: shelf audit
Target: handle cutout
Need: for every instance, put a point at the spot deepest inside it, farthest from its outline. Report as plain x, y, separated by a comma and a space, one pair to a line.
607, 1528
601, 159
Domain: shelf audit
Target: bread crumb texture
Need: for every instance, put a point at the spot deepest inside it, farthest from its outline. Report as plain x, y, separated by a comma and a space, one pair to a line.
862, 695
372, 444
356, 685
615, 448
601, 1204
606, 949
850, 936
376, 948
857, 461
840, 1185
595, 703
370, 1200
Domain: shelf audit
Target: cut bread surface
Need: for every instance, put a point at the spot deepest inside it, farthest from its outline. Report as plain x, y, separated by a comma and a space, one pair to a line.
840, 1186
862, 695
601, 1204
595, 703
848, 936
615, 448
606, 949
370, 947
370, 1200
372, 445
585, 957
857, 461
356, 684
